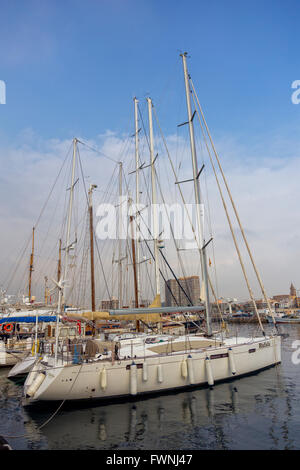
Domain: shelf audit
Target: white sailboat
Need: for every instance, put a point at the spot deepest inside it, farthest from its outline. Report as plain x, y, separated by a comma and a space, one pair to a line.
20, 333
22, 354
37, 348
154, 363
289, 318
19, 326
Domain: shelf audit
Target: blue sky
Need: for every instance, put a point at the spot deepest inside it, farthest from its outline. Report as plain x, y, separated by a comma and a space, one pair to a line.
73, 67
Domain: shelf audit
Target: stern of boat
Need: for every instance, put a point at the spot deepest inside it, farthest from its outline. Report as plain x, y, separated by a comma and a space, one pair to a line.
39, 379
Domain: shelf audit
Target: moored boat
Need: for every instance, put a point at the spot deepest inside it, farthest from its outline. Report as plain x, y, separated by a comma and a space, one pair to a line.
285, 318
150, 365
20, 334
161, 362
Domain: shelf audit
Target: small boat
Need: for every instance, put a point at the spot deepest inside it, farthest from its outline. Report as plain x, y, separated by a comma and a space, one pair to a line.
240, 314
21, 368
67, 334
20, 332
284, 318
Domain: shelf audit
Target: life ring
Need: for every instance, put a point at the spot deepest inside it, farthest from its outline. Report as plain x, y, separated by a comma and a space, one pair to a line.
8, 327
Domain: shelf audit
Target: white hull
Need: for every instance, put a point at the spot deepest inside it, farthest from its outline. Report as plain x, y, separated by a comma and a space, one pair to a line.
151, 374
284, 319
22, 367
11, 355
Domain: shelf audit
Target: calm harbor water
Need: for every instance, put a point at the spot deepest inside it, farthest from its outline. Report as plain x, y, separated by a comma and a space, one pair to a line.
257, 412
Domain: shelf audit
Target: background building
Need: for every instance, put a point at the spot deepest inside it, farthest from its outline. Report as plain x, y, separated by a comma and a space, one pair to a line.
287, 300
112, 304
176, 296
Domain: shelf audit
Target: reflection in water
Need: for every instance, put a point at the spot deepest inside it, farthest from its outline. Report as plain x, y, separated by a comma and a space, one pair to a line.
210, 397
234, 399
148, 423
102, 431
160, 415
257, 412
132, 423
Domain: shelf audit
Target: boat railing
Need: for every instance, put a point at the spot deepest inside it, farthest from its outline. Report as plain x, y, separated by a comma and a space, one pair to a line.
82, 350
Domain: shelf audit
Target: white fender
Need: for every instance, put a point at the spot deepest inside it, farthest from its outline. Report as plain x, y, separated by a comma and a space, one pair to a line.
159, 373
103, 379
231, 361
2, 353
190, 367
36, 384
184, 371
133, 379
145, 371
210, 378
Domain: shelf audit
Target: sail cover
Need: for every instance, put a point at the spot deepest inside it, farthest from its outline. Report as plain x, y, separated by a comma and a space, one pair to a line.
28, 319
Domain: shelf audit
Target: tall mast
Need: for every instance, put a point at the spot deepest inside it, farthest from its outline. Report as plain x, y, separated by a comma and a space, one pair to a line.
59, 262
92, 187
46, 290
61, 283
137, 195
136, 296
31, 266
120, 280
198, 200
154, 204
68, 244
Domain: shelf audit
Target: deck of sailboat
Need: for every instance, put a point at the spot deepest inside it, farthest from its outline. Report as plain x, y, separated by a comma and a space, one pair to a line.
146, 346
181, 344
